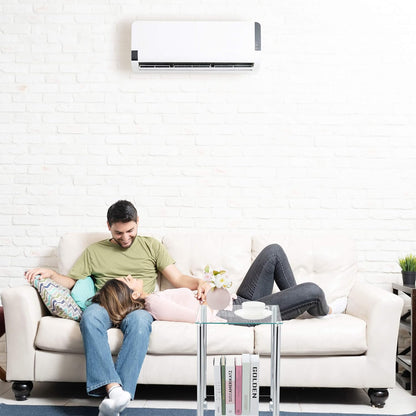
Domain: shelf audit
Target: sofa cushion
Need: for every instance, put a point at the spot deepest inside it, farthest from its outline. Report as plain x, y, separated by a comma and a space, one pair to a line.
57, 299
339, 334
83, 291
61, 335
193, 251
167, 338
179, 338
72, 245
329, 260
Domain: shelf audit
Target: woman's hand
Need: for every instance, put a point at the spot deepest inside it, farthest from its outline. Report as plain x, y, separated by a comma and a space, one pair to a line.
202, 290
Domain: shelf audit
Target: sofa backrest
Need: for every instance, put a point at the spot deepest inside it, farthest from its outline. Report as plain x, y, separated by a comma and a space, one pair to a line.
222, 251
72, 245
192, 252
327, 259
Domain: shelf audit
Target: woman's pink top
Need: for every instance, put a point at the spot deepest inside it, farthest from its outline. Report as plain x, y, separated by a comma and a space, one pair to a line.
178, 305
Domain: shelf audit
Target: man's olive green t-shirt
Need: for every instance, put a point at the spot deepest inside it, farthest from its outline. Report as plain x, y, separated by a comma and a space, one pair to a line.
105, 260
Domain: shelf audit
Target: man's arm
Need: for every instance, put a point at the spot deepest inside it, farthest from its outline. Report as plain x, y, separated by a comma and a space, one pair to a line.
178, 279
62, 280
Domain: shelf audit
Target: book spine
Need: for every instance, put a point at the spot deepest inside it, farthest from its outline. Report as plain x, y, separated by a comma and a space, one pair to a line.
230, 386
217, 386
246, 381
255, 387
223, 405
238, 385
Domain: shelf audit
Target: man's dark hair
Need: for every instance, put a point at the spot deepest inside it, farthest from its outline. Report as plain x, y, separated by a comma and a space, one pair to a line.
121, 211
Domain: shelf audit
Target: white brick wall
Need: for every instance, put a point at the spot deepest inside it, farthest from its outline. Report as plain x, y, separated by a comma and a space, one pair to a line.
321, 137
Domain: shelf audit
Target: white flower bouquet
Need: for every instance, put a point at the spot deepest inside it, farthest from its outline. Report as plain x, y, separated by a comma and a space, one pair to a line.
217, 278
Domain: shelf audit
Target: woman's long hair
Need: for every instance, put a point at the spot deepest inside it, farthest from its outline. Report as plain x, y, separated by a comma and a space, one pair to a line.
116, 297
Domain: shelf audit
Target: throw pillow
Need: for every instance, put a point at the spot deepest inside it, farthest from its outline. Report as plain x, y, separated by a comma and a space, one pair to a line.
83, 291
57, 299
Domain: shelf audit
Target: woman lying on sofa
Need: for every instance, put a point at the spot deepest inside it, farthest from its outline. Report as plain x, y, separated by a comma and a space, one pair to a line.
121, 296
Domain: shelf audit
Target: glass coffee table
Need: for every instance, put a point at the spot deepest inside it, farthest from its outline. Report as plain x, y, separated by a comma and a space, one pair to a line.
233, 317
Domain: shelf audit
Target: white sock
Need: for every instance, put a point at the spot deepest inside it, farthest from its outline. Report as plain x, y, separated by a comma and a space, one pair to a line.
339, 305
117, 401
106, 408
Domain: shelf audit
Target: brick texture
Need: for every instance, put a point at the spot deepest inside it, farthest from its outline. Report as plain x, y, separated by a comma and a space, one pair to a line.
321, 137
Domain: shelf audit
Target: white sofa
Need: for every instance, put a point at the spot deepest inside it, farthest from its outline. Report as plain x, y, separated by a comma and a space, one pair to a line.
351, 350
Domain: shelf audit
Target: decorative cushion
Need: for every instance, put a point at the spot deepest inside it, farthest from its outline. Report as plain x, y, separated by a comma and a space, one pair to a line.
57, 299
83, 291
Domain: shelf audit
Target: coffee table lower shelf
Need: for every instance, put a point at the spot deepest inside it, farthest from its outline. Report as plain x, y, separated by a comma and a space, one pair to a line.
274, 364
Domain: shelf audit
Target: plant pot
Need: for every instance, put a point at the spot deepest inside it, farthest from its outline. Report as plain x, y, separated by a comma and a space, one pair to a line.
408, 278
218, 298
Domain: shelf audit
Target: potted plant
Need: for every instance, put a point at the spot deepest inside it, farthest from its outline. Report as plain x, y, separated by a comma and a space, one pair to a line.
408, 266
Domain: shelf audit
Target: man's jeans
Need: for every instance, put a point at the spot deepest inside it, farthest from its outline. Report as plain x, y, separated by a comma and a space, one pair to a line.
101, 370
272, 266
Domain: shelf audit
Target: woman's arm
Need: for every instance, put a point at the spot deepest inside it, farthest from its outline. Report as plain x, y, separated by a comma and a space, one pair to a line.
178, 305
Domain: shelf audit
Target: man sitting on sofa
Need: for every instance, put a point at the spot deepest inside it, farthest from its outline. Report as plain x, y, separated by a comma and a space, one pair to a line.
124, 254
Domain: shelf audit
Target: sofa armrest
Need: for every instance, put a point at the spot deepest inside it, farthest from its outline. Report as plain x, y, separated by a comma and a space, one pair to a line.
381, 310
23, 309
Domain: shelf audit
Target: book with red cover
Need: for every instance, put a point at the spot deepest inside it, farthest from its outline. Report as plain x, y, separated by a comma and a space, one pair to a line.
238, 385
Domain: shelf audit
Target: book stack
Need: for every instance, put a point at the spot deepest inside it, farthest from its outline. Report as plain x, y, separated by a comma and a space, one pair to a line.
236, 385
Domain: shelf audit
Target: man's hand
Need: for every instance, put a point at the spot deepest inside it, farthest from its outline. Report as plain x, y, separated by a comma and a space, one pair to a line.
62, 280
202, 290
44, 274
181, 280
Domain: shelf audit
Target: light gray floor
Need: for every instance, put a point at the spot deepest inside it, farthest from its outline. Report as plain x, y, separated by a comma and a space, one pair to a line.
292, 399
400, 401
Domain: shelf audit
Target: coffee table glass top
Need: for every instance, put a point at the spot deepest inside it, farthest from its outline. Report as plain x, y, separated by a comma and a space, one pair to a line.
236, 315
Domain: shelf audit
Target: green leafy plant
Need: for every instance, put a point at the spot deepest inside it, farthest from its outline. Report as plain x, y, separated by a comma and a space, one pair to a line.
408, 263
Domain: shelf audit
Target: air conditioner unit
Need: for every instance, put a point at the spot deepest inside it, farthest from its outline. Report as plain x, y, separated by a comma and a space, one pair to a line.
195, 45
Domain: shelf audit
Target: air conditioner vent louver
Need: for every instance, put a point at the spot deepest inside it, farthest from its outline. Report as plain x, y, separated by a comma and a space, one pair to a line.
210, 46
155, 65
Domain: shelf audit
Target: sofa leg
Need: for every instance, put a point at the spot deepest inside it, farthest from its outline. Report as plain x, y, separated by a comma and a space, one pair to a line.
22, 389
378, 397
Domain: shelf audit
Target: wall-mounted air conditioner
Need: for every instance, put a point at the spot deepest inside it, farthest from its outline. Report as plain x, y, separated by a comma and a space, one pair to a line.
198, 45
